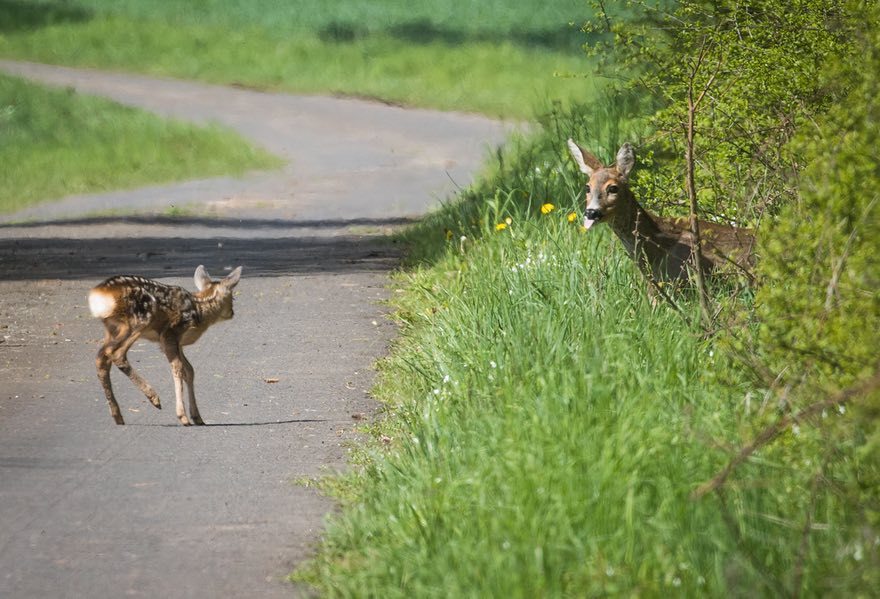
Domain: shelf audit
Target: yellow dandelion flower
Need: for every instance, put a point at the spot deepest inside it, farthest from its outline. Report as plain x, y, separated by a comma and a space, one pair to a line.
547, 208
572, 216
500, 226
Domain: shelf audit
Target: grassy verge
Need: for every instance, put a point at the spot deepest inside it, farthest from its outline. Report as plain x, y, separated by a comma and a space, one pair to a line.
491, 59
63, 143
546, 425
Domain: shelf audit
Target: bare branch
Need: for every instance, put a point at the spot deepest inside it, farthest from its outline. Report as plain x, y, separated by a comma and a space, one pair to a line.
780, 426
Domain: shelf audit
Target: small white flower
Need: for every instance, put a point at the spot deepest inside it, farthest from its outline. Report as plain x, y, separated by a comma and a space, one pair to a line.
436, 391
795, 429
841, 408
493, 364
446, 378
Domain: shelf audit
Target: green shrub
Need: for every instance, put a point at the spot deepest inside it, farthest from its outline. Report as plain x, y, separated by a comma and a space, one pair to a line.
818, 306
753, 72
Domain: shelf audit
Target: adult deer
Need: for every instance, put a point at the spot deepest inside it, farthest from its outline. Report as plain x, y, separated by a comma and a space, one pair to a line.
134, 307
663, 245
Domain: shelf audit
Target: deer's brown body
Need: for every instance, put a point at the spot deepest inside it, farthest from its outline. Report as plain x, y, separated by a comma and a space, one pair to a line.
664, 245
135, 308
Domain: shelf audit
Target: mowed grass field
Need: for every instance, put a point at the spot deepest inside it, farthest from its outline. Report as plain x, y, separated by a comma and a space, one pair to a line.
505, 59
57, 142
509, 60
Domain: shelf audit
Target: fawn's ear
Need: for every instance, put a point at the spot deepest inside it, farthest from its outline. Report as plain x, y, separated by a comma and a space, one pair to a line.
231, 280
626, 160
585, 161
201, 278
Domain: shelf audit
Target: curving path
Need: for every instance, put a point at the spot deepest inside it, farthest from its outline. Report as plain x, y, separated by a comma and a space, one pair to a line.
152, 509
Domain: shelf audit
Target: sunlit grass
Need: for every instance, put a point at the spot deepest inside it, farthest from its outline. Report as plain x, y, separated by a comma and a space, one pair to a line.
57, 142
540, 431
498, 62
546, 424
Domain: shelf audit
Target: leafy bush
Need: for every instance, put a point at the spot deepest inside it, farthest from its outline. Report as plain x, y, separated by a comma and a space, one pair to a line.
750, 72
818, 306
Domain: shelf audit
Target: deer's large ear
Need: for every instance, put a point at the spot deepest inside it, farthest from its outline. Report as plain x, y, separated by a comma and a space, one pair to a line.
201, 278
231, 280
626, 160
585, 161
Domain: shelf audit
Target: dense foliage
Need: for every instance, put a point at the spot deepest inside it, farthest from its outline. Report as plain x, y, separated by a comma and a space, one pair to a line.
752, 70
819, 302
781, 97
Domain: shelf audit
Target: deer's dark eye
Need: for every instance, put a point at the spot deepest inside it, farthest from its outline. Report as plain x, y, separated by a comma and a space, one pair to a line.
611, 189
588, 188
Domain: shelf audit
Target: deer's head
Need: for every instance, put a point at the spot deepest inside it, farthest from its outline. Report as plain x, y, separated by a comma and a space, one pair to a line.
219, 290
607, 190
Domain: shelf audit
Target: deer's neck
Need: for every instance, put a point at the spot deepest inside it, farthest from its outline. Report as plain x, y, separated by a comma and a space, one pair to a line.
208, 307
636, 227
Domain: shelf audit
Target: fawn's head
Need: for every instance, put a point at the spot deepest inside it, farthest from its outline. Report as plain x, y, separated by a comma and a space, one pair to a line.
220, 291
607, 190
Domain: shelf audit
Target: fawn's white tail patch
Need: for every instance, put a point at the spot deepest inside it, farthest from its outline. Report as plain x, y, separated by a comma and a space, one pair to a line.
101, 304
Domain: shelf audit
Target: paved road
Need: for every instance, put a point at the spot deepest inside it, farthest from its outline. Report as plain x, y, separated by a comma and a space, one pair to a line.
91, 509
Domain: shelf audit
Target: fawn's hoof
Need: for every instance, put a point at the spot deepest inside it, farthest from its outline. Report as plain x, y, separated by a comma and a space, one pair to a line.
118, 419
184, 420
197, 420
154, 399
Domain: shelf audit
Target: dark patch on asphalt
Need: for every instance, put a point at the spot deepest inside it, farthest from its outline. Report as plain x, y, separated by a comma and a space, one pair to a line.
29, 259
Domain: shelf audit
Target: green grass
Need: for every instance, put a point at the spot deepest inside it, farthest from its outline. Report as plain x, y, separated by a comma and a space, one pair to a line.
527, 22
64, 143
546, 425
492, 57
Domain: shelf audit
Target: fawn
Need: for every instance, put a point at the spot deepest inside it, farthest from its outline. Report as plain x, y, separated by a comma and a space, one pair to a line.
134, 307
663, 245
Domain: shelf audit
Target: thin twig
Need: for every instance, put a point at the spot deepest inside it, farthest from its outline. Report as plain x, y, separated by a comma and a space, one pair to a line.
780, 426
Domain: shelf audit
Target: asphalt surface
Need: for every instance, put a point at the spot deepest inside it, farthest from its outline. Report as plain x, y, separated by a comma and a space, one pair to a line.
91, 509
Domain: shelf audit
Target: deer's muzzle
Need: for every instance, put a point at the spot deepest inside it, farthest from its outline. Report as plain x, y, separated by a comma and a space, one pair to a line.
593, 214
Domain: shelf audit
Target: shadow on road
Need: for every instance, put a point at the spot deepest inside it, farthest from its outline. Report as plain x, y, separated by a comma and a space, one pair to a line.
216, 223
231, 424
31, 258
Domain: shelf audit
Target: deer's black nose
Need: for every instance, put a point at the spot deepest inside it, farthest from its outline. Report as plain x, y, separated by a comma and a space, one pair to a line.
593, 214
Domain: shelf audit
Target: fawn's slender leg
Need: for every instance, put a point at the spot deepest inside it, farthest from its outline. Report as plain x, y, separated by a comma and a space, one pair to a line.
171, 347
103, 362
189, 376
120, 358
